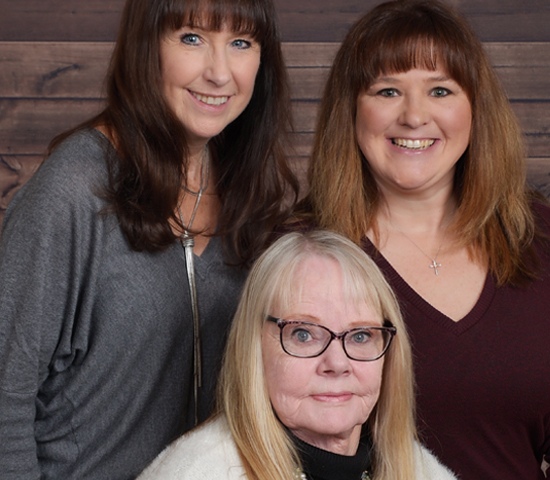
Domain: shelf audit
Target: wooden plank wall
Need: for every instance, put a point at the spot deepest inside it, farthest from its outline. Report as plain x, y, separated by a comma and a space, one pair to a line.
54, 54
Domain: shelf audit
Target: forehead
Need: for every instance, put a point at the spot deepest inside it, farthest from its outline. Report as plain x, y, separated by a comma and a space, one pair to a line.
319, 286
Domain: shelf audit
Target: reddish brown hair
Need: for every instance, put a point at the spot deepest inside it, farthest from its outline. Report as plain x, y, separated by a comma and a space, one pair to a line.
494, 217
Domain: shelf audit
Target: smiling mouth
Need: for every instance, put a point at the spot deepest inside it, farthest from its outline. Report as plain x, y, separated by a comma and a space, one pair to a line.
413, 144
215, 101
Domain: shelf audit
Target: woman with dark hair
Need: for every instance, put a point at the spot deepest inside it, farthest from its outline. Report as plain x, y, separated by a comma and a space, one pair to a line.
122, 259
419, 158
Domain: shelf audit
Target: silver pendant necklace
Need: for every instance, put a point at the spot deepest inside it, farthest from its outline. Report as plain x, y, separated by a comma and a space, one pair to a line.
434, 264
187, 241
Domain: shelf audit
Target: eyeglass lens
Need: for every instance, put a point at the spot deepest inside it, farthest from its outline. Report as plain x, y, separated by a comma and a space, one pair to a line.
309, 340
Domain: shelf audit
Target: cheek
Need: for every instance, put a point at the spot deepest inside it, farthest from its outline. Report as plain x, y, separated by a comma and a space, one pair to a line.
370, 125
286, 386
370, 380
459, 120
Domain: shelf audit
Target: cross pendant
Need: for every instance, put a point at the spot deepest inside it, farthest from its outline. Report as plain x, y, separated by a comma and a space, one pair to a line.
435, 266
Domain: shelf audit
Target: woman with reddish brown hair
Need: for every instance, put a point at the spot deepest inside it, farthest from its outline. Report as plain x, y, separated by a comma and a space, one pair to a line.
419, 158
122, 259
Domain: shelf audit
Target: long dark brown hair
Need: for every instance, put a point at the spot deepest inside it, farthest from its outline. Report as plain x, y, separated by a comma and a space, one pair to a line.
494, 219
256, 186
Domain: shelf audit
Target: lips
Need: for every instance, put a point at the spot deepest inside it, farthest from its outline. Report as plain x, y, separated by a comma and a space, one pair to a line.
333, 397
210, 100
413, 144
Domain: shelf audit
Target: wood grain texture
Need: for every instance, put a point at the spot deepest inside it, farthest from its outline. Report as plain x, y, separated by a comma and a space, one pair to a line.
300, 20
47, 87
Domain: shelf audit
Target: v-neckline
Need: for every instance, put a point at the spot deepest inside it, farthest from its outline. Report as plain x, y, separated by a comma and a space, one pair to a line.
400, 285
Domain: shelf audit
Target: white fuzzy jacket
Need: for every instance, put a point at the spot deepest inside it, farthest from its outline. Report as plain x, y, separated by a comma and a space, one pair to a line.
209, 452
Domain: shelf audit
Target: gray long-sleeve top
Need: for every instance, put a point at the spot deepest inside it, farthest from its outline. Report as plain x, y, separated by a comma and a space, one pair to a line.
96, 347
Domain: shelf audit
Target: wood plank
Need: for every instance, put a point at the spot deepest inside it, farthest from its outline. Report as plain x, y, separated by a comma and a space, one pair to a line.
525, 83
59, 20
493, 20
45, 69
77, 70
27, 125
537, 145
534, 116
300, 20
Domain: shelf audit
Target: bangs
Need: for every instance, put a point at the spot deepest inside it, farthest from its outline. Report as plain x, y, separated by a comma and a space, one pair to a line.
244, 17
357, 283
415, 40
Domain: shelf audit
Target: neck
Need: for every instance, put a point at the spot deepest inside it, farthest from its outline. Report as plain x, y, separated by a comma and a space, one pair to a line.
198, 168
421, 217
344, 444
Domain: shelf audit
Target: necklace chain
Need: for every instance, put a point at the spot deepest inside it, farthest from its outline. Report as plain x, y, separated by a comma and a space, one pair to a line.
204, 179
434, 264
188, 242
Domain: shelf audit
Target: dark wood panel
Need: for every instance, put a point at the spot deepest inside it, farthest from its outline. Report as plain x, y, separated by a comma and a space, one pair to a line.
59, 20
537, 145
300, 20
27, 125
538, 174
45, 69
493, 20
534, 116
54, 69
15, 170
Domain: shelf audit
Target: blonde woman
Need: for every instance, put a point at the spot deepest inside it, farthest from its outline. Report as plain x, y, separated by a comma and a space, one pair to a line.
316, 382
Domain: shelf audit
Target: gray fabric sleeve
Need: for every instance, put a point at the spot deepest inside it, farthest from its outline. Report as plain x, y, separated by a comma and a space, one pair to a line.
45, 249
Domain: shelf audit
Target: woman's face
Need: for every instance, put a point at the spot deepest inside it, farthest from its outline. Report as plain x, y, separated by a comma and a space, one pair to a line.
412, 128
326, 399
208, 78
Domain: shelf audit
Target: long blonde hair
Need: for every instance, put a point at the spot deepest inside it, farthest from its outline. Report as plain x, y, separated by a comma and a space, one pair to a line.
266, 450
494, 219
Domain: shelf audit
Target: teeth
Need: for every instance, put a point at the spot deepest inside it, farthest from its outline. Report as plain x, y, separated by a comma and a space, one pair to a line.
210, 100
413, 144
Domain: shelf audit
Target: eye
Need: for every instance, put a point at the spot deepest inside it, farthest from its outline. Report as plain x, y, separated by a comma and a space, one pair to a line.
190, 39
301, 335
440, 92
241, 44
360, 336
388, 92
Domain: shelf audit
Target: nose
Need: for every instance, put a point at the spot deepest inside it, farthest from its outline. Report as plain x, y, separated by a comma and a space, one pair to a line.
334, 360
415, 112
218, 68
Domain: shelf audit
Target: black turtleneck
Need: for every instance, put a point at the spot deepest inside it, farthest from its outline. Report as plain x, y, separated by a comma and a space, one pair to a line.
323, 465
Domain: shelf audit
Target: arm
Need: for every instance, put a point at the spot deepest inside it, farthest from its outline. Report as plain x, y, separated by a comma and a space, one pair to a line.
42, 264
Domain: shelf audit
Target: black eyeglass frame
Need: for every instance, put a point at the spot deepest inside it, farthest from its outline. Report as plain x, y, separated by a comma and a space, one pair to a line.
386, 327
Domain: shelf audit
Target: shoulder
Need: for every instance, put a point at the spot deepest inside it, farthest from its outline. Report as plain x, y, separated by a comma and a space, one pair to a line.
68, 183
79, 158
428, 467
206, 452
541, 210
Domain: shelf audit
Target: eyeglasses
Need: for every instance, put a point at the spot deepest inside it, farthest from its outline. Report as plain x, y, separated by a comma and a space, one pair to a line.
307, 340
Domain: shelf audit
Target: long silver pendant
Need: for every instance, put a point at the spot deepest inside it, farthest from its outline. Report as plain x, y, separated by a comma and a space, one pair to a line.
188, 243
